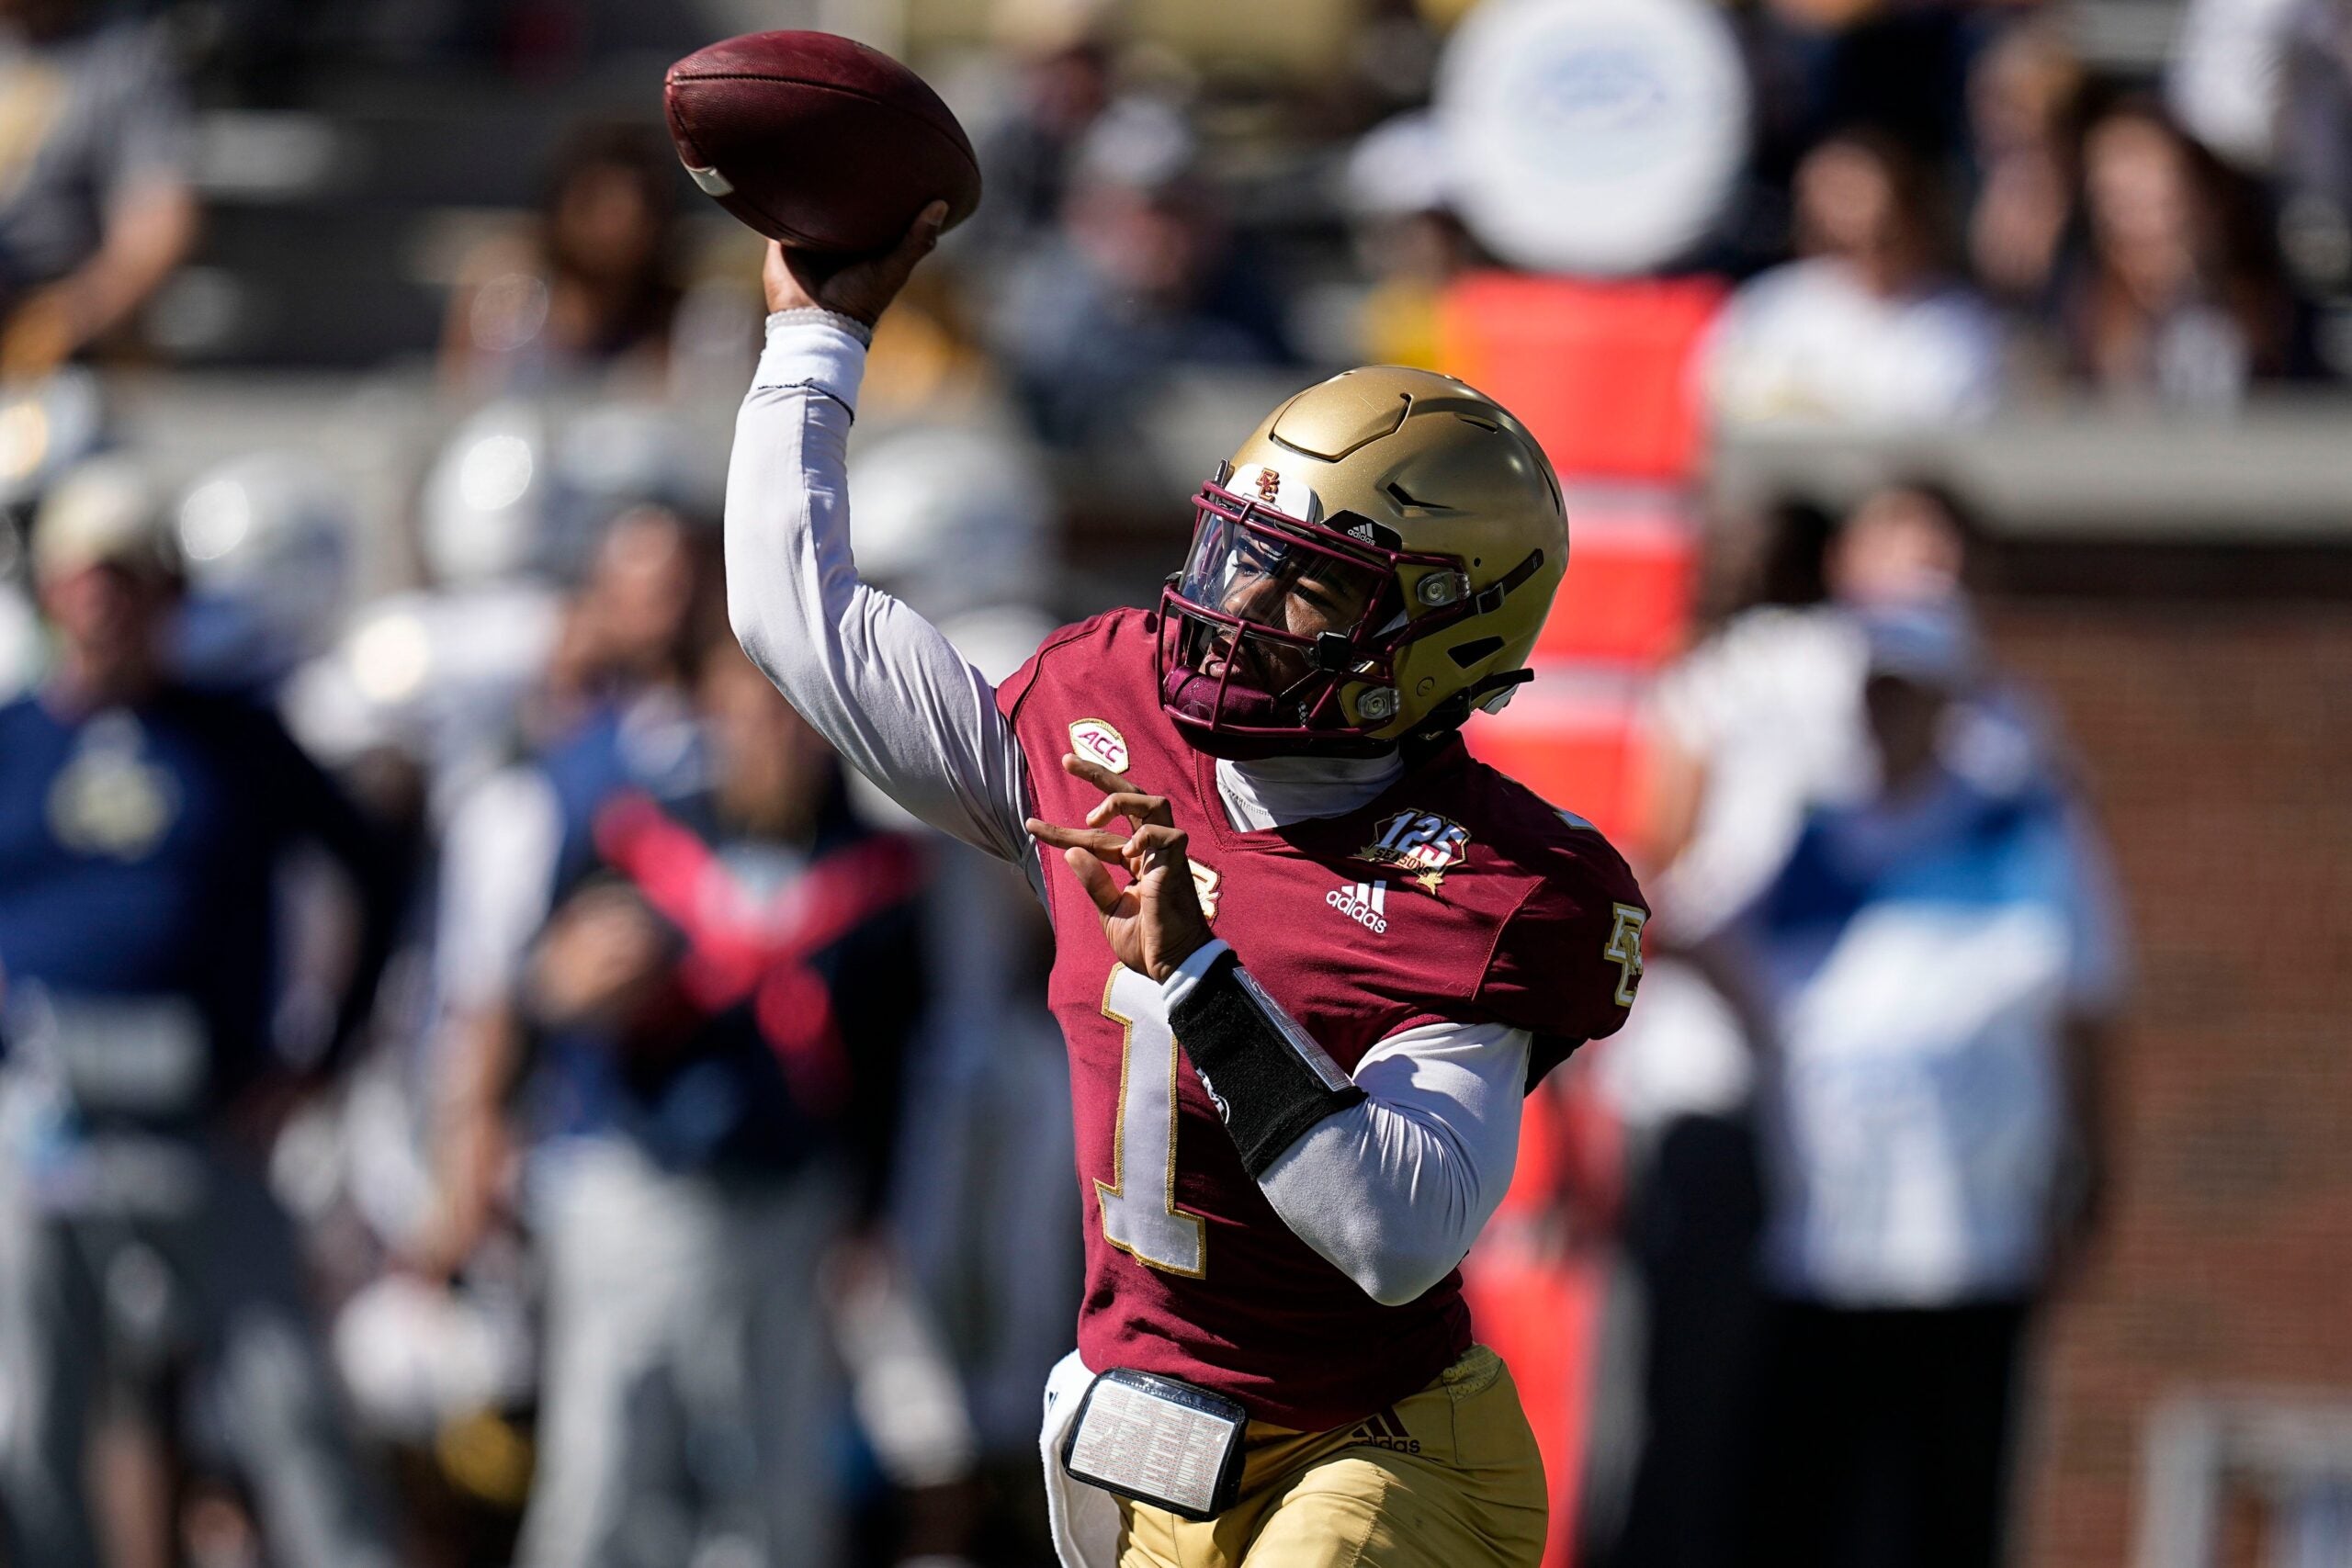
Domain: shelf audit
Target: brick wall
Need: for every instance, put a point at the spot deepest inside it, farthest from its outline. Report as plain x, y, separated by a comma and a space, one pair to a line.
2218, 745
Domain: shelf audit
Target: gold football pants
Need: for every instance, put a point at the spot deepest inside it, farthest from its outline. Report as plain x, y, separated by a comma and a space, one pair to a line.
1447, 1478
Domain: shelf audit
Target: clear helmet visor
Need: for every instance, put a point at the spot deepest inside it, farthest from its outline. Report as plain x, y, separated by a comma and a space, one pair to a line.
1266, 619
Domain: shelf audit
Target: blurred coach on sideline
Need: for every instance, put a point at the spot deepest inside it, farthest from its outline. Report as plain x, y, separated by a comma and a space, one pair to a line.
142, 826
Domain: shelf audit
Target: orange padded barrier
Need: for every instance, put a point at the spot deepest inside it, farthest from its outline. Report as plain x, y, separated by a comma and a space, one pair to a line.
1575, 746
1627, 595
1599, 371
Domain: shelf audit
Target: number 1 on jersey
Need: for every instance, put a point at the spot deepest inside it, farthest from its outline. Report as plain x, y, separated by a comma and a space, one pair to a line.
1139, 1212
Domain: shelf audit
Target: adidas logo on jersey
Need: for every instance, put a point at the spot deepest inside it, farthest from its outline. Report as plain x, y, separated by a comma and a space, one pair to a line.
1365, 903
1382, 1429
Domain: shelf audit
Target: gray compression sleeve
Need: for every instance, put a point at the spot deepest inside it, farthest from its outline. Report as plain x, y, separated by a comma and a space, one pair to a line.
874, 678
1392, 1190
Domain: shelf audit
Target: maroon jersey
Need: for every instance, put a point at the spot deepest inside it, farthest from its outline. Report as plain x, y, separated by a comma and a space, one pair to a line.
1456, 896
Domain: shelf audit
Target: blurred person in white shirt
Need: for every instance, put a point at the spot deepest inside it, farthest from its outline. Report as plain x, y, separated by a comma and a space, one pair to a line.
1748, 733
1939, 965
1868, 326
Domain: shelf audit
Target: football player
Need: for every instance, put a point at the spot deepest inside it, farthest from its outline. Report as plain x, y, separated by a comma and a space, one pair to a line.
1257, 833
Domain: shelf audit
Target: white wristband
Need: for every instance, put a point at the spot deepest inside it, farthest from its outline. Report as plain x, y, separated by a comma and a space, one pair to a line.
822, 349
1189, 974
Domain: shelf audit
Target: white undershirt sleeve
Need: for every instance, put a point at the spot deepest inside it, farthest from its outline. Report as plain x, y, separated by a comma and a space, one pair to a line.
876, 679
1393, 1190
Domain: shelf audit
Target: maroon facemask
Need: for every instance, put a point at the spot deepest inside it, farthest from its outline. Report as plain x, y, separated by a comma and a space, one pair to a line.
1272, 614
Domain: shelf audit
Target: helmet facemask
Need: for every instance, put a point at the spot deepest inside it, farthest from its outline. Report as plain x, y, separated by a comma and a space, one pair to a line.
1279, 635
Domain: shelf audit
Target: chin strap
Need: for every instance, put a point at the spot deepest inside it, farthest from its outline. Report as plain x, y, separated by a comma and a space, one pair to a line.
1454, 712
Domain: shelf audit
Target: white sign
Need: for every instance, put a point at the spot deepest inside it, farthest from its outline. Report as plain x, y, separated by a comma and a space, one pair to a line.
1592, 136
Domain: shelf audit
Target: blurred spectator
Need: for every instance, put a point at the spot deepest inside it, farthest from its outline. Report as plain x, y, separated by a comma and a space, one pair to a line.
1409, 240
1869, 326
1762, 722
2021, 93
2174, 297
723, 1002
454, 677
958, 523
1062, 54
591, 290
268, 539
757, 1120
143, 829
95, 208
1144, 278
1939, 965
1753, 730
2314, 161
628, 646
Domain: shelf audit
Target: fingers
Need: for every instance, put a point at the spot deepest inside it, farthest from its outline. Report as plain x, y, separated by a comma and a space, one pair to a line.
1140, 810
1120, 797
1095, 878
786, 287
914, 245
1147, 849
924, 233
1094, 842
1154, 847
1094, 773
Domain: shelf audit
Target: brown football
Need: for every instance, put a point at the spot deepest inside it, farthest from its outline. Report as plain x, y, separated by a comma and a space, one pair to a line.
817, 140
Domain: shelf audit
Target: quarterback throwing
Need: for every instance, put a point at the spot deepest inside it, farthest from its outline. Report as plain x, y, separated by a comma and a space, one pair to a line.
1309, 954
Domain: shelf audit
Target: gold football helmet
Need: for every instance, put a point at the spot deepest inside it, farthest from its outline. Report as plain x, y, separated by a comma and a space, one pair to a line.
1373, 563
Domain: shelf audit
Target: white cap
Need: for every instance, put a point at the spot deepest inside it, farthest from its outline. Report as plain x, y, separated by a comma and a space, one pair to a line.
103, 511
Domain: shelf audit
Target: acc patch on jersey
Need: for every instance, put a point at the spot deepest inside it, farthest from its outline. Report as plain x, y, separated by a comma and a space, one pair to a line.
1097, 740
1421, 844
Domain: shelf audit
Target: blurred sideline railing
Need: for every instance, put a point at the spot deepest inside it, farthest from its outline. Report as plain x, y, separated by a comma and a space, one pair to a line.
2292, 1451
2277, 473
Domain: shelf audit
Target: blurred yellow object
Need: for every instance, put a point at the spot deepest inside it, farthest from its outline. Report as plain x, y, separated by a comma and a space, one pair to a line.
1301, 37
1398, 324
39, 336
24, 439
486, 1457
1305, 36
1048, 26
1442, 14
925, 360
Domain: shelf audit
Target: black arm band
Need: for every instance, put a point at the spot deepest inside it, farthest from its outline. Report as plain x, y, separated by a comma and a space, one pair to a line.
1269, 1080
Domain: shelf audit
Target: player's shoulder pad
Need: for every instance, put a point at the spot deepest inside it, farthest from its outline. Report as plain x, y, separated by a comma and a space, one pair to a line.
1568, 960
1562, 849
1096, 636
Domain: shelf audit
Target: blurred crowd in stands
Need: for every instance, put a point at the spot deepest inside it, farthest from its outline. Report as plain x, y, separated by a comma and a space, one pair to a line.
482, 1086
